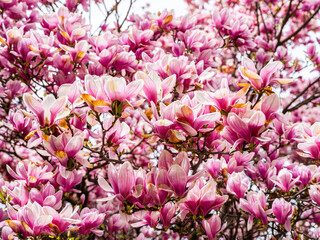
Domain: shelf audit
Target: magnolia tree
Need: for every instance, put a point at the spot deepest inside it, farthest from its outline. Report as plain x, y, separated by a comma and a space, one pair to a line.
158, 126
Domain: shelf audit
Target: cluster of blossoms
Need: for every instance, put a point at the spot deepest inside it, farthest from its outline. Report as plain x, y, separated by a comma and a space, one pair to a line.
204, 126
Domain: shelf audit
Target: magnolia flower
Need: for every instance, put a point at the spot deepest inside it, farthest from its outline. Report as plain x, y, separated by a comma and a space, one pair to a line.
255, 204
177, 172
90, 219
244, 128
249, 72
314, 193
49, 111
122, 181
201, 199
167, 213
117, 89
79, 52
282, 210
154, 89
237, 184
212, 226
311, 141
222, 99
21, 123
67, 179
66, 147
63, 220
47, 196
285, 180
32, 173
110, 92
30, 220
191, 117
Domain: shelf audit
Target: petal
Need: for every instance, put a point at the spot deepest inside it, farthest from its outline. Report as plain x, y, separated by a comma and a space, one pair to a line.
35, 106
270, 105
50, 201
74, 146
150, 86
269, 70
165, 160
206, 98
257, 120
14, 175
282, 80
126, 179
253, 77
115, 88
168, 84
178, 179
104, 185
238, 126
56, 107
205, 119
133, 89
43, 220
113, 177
248, 64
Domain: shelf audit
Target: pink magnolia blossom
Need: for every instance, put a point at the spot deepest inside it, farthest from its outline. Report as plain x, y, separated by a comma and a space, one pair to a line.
191, 118
309, 146
213, 167
223, 99
90, 220
177, 172
19, 195
63, 220
282, 210
106, 91
154, 89
314, 193
212, 226
67, 179
285, 180
32, 173
255, 205
167, 213
46, 196
245, 128
237, 184
249, 72
49, 110
66, 147
201, 199
21, 123
30, 220
122, 181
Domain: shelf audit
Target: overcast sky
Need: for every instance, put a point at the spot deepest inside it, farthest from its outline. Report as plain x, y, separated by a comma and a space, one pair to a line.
155, 6
179, 6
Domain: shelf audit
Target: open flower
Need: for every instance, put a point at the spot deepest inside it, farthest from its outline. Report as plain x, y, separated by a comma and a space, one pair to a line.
49, 111
244, 128
66, 147
282, 210
122, 181
30, 220
32, 173
262, 80
212, 226
255, 205
201, 199
154, 89
106, 92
